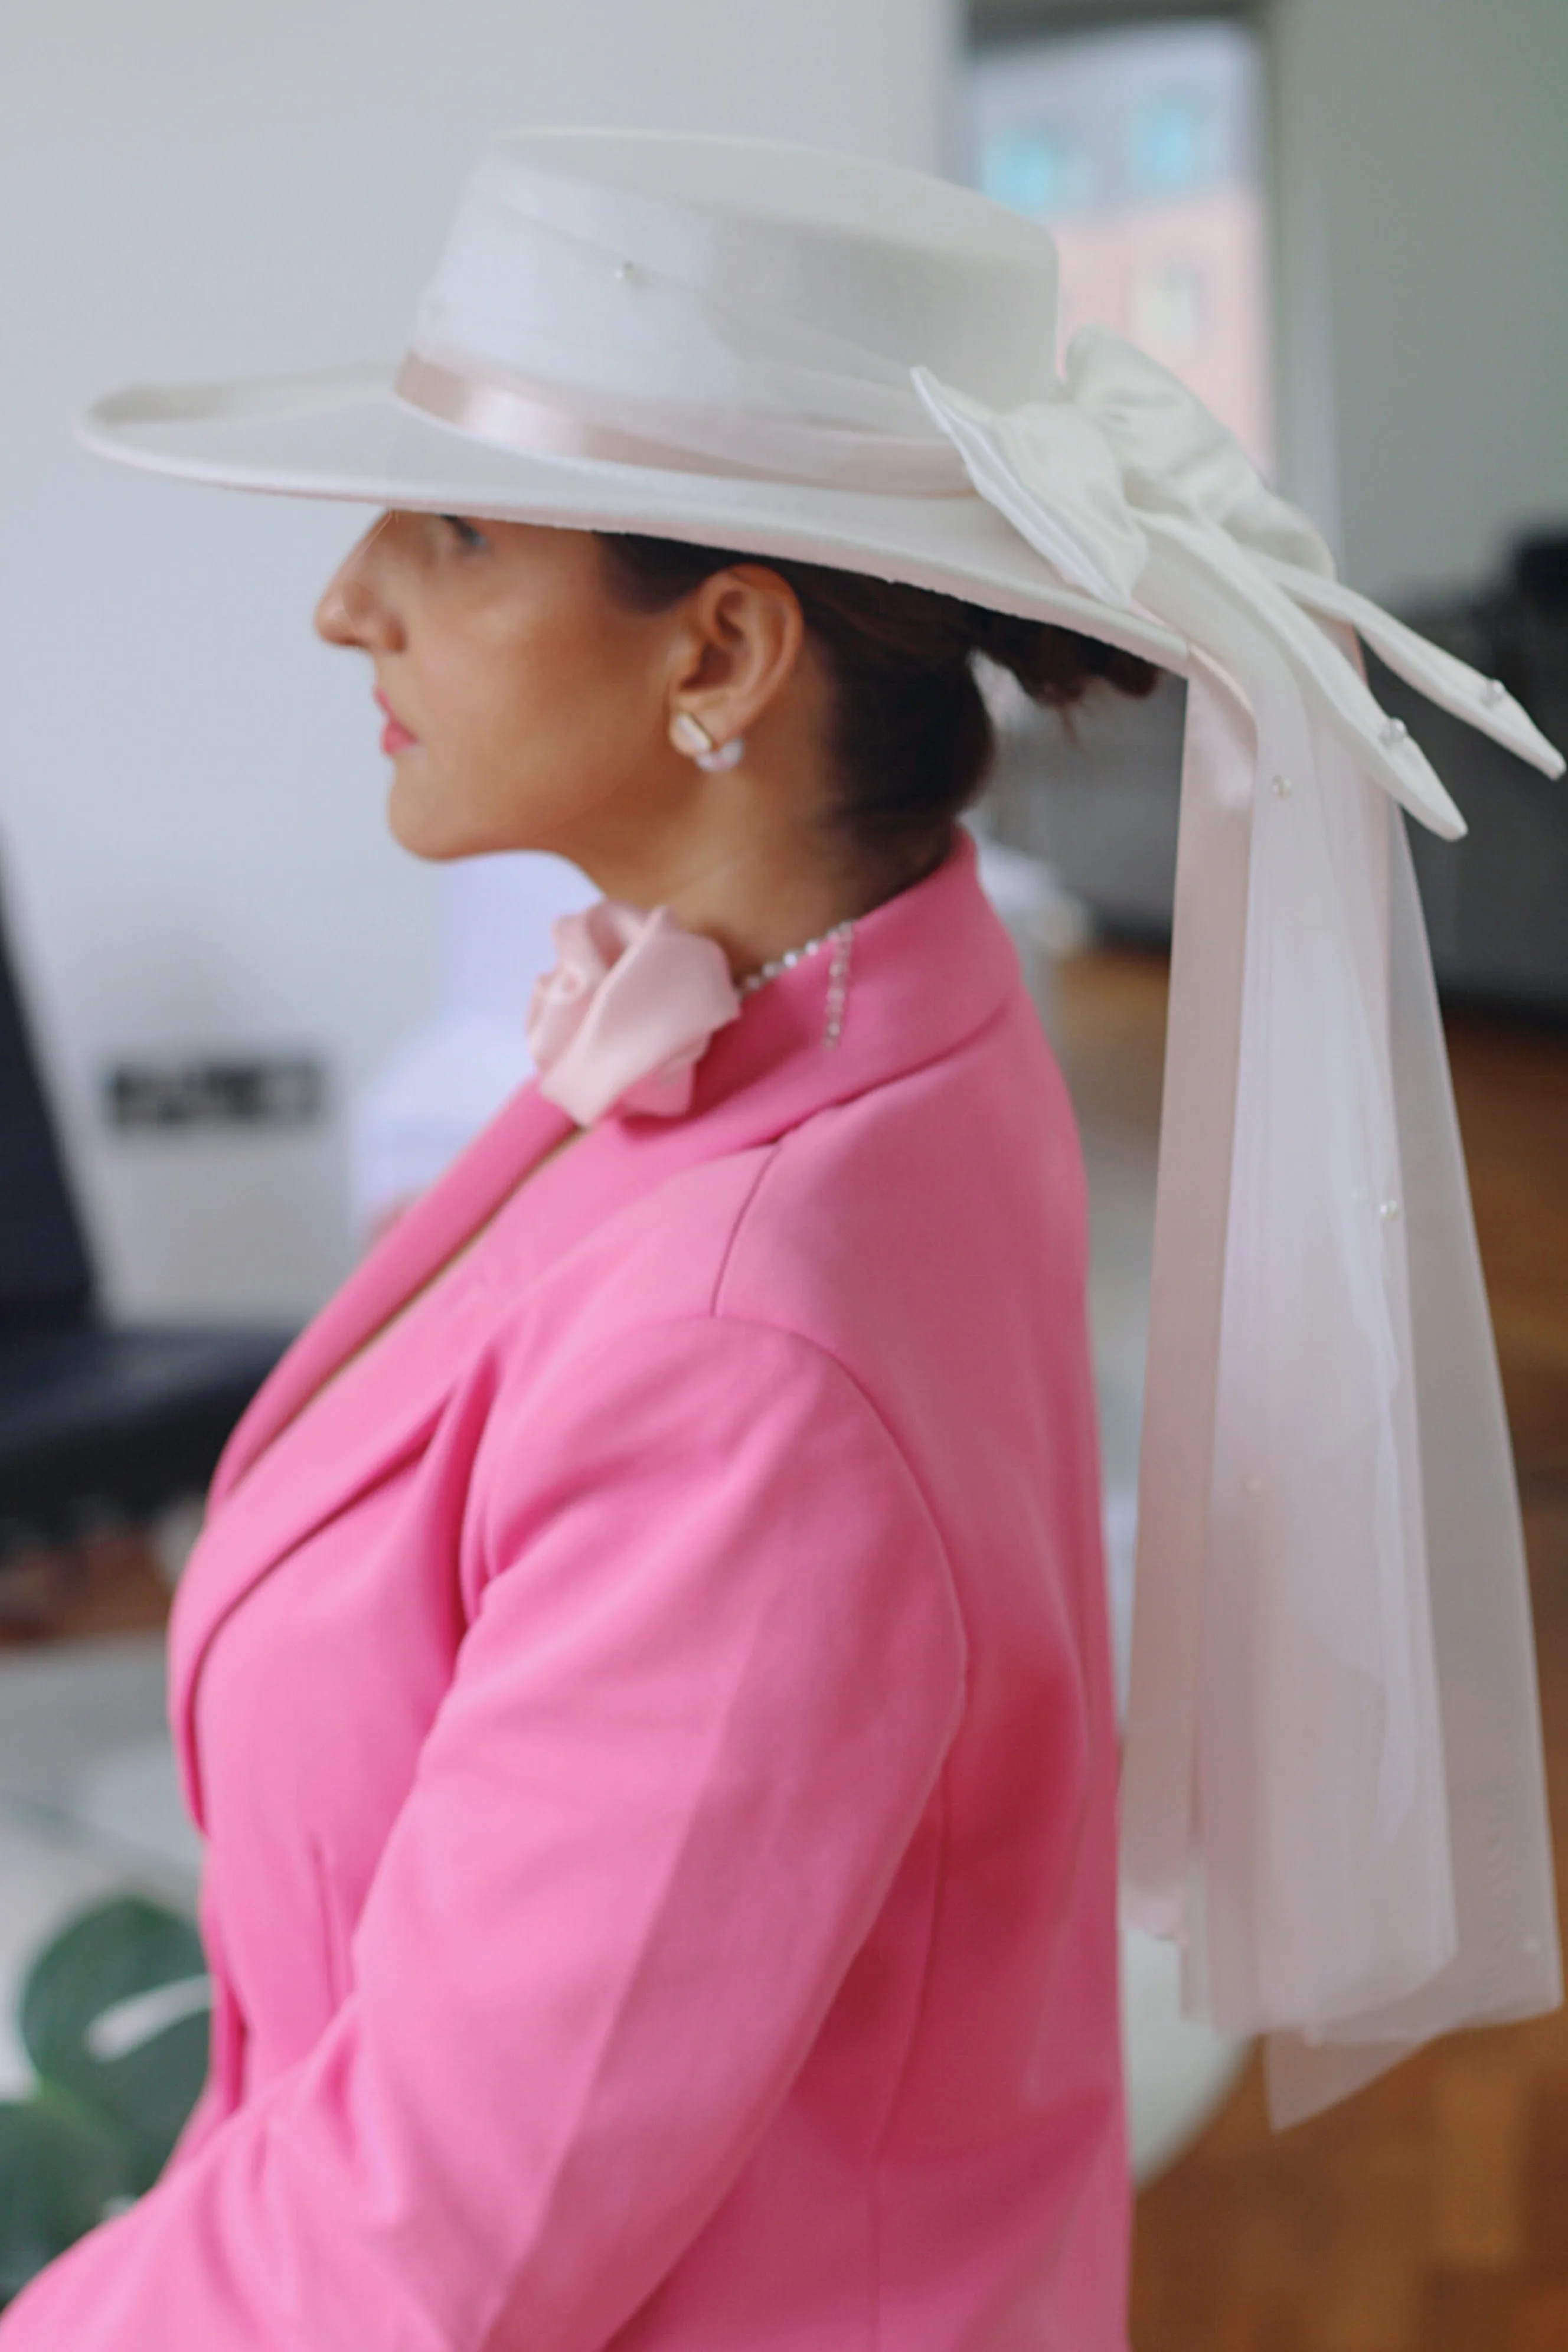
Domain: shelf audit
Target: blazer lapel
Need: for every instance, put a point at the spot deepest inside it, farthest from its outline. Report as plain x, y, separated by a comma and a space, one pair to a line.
429, 1233
275, 1484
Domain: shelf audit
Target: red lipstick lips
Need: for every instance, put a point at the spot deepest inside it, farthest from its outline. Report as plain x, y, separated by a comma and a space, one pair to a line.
395, 736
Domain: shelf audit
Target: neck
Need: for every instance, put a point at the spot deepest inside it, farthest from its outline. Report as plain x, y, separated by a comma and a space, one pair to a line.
742, 857
756, 932
756, 896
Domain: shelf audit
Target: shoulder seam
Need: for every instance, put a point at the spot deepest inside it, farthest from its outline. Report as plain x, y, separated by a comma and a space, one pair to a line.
830, 1356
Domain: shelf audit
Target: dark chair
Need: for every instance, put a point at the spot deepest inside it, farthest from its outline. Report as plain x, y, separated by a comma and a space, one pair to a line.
1495, 903
96, 1419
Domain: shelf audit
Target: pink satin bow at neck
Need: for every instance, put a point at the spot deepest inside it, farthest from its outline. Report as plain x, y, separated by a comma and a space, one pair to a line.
627, 1013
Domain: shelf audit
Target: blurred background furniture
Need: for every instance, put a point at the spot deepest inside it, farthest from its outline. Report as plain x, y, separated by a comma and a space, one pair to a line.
1092, 792
98, 1419
1497, 902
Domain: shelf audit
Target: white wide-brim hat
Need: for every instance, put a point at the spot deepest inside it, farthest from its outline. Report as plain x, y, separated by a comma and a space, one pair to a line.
769, 348
1333, 1793
705, 338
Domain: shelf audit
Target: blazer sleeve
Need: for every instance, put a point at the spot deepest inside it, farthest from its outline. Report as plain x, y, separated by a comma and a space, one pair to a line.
709, 1685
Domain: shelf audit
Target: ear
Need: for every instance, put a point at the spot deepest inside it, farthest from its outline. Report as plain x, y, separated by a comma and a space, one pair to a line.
739, 647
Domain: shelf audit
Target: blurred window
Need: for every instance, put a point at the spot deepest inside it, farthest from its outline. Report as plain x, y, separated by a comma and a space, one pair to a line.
1140, 148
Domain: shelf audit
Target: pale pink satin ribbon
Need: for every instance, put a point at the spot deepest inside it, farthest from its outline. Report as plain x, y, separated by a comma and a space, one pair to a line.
511, 412
627, 1013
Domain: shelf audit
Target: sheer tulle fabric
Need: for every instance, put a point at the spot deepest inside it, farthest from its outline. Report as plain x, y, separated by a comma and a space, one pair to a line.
1332, 1790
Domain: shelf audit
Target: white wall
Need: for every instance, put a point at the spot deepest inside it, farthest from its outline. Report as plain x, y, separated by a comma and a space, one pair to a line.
190, 793
1421, 161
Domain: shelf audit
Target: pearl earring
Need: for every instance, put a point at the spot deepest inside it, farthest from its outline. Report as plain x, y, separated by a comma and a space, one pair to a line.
688, 734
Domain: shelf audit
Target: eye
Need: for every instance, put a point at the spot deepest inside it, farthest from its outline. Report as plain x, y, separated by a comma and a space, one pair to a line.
468, 534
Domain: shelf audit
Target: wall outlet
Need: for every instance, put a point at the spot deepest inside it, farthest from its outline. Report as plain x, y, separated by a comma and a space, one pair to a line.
260, 1090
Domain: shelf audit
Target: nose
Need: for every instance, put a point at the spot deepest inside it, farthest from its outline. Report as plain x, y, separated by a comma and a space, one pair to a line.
356, 607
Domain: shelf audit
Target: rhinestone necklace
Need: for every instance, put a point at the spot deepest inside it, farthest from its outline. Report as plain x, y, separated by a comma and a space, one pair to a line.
838, 976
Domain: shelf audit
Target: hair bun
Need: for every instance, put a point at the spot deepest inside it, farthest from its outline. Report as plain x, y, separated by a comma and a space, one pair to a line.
1053, 666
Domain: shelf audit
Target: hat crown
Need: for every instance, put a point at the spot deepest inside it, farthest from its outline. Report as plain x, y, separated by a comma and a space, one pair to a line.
619, 266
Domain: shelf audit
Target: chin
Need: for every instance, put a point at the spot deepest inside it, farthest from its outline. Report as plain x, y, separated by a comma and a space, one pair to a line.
426, 831
432, 822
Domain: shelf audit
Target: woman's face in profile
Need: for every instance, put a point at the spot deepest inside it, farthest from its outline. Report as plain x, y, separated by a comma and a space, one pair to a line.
524, 706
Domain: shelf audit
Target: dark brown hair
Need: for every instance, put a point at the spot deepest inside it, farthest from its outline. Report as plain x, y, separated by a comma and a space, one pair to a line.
912, 740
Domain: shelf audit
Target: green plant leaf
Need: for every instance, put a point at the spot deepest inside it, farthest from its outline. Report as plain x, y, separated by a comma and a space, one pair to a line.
115, 2011
60, 2167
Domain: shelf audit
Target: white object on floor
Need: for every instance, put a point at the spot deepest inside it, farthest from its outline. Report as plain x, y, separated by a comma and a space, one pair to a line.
1178, 2072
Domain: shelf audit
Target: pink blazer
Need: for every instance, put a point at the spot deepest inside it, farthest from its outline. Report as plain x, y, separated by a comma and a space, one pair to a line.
652, 1721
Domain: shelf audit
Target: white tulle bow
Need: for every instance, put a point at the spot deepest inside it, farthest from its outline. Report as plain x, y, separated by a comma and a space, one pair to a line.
1131, 488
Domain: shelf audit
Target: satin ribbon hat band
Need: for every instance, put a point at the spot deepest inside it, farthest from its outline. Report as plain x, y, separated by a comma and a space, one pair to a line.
1332, 1791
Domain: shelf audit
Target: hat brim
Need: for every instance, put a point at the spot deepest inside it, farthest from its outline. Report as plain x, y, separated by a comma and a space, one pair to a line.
344, 433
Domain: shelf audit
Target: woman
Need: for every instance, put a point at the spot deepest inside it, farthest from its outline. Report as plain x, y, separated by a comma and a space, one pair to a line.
644, 1679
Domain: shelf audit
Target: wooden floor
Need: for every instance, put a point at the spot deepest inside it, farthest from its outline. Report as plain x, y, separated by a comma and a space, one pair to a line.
1429, 2214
